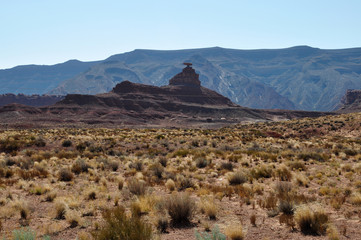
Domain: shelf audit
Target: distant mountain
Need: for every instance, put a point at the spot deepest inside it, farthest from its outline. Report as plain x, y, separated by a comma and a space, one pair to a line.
294, 78
39, 79
300, 77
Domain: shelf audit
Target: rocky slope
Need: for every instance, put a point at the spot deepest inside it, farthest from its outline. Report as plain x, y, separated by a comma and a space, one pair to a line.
30, 100
294, 78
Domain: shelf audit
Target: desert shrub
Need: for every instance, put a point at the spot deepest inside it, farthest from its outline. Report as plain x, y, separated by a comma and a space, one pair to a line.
201, 162
137, 165
184, 183
9, 161
228, 166
163, 161
81, 147
162, 224
286, 206
235, 157
311, 222
237, 178
356, 199
208, 207
157, 170
263, 171
73, 218
8, 173
80, 166
118, 225
23, 209
301, 180
114, 165
332, 232
235, 232
170, 185
50, 196
66, 154
10, 145
350, 152
41, 170
120, 183
284, 173
65, 175
60, 209
270, 202
313, 155
137, 187
66, 143
180, 208
214, 235
180, 153
39, 142
195, 143
297, 165
283, 189
24, 234
92, 195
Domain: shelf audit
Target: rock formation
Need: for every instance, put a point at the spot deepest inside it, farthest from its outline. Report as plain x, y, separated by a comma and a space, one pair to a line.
350, 102
183, 102
188, 77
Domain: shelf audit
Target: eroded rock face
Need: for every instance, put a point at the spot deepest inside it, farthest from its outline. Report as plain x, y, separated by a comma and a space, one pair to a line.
350, 102
188, 77
351, 96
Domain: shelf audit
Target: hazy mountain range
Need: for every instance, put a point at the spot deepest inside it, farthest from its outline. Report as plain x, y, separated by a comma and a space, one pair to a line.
39, 79
294, 78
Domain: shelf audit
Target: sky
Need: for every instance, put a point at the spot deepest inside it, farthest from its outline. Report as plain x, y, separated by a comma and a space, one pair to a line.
54, 31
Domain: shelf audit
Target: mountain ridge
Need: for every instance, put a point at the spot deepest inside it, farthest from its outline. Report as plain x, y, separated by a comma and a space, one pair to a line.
299, 77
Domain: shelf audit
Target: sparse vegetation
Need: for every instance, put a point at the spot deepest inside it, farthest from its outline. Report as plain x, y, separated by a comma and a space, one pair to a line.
266, 175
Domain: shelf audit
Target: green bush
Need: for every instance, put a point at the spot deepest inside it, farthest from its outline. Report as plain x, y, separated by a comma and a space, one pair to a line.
26, 234
119, 226
214, 235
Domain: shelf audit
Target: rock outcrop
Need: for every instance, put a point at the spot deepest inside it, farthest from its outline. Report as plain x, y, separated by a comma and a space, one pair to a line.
29, 100
188, 77
350, 102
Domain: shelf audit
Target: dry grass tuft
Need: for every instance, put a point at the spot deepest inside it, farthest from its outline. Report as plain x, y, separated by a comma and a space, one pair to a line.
237, 178
311, 222
235, 232
180, 207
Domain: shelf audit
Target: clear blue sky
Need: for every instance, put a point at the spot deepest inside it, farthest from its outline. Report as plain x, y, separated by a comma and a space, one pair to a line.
53, 31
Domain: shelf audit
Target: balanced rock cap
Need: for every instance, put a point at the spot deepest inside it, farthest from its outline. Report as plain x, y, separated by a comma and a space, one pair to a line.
188, 77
